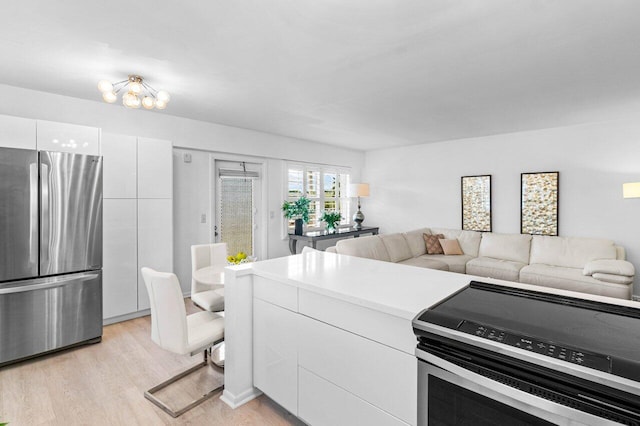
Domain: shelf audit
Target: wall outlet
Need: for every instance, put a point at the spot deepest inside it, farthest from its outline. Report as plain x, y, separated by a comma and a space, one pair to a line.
636, 297
203, 218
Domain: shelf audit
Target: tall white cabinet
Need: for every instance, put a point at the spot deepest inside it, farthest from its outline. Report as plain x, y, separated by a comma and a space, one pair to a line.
138, 219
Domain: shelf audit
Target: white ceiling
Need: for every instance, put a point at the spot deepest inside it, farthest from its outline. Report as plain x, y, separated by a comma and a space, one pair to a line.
364, 74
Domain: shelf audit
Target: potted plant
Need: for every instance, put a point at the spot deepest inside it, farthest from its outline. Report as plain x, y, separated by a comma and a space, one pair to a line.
331, 218
297, 210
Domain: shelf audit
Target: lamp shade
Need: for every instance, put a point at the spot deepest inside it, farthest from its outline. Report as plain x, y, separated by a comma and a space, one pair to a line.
358, 190
631, 190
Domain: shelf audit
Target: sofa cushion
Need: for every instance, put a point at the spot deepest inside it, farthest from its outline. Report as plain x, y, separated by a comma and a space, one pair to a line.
570, 252
572, 279
469, 240
396, 246
495, 268
425, 261
433, 244
416, 241
457, 263
513, 247
370, 247
450, 247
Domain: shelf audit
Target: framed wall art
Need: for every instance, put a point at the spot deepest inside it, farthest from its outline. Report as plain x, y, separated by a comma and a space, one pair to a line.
476, 203
539, 203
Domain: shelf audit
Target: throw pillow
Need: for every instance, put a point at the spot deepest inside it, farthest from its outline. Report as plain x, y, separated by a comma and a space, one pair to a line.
450, 246
432, 243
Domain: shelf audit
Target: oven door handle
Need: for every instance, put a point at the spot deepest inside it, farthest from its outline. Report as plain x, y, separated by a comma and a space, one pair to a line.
520, 400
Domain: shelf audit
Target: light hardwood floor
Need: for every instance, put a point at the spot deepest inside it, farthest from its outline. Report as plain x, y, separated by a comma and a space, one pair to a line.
103, 384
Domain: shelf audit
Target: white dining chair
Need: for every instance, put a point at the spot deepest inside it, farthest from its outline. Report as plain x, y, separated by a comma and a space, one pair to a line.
205, 296
175, 331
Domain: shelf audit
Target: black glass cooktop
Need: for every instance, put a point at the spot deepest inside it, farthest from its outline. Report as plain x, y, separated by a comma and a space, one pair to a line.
597, 335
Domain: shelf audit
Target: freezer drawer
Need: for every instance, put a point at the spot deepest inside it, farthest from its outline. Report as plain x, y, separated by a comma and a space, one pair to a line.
46, 314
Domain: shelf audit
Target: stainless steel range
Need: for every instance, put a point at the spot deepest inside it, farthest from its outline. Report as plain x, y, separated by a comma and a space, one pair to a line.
497, 355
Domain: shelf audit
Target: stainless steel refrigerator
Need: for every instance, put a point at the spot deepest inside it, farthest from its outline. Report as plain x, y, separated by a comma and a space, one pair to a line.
50, 252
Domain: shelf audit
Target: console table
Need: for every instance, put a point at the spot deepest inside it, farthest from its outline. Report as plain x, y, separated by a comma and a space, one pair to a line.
314, 236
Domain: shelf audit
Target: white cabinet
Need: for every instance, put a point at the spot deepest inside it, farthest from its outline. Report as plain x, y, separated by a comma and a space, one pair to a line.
119, 153
155, 241
16, 132
155, 168
65, 137
120, 267
352, 363
275, 357
321, 403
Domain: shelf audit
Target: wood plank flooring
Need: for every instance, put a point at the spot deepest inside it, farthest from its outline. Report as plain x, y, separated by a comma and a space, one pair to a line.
103, 384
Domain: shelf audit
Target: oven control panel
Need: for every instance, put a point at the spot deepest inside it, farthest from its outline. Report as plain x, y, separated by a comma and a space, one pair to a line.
553, 350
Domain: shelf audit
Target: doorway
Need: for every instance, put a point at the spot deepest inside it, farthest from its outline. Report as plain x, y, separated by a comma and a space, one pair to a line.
238, 199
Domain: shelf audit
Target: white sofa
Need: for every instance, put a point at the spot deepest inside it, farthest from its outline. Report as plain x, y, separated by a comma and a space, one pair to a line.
588, 265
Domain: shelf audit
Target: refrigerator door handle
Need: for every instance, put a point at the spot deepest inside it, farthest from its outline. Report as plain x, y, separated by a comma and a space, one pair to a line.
45, 220
33, 213
47, 283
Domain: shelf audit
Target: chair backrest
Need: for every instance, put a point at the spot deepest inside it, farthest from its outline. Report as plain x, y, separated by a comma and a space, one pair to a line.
203, 255
168, 314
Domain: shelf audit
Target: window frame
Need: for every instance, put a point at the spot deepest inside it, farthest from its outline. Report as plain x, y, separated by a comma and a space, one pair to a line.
343, 204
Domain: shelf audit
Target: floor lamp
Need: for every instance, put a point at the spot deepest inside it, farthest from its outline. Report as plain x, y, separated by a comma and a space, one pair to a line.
358, 190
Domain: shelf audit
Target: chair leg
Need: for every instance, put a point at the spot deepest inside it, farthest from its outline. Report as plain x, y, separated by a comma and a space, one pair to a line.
205, 362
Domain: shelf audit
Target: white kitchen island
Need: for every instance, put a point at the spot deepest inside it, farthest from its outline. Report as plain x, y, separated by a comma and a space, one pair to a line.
328, 337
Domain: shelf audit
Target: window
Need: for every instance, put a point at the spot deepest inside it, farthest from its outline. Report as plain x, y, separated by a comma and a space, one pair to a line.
325, 186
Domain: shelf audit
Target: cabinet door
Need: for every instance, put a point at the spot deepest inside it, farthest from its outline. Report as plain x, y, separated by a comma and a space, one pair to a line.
119, 165
16, 132
65, 137
155, 241
275, 356
155, 168
120, 274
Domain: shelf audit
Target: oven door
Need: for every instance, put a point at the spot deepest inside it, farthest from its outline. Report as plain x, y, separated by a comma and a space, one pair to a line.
450, 395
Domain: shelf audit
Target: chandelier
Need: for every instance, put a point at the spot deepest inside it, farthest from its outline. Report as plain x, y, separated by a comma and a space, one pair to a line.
137, 93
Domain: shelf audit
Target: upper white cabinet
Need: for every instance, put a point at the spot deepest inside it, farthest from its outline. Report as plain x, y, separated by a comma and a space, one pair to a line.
16, 132
119, 165
155, 168
52, 136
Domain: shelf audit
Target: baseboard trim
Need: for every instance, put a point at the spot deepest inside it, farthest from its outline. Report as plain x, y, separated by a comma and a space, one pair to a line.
126, 317
234, 401
636, 297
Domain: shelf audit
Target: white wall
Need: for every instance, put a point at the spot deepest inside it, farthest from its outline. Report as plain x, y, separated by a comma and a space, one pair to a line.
419, 186
192, 189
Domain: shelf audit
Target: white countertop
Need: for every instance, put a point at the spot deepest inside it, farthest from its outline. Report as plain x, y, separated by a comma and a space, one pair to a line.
399, 290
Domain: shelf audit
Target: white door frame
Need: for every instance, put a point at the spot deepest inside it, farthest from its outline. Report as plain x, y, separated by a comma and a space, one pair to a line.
261, 231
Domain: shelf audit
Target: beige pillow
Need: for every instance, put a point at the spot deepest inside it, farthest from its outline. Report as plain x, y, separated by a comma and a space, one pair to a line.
450, 246
432, 243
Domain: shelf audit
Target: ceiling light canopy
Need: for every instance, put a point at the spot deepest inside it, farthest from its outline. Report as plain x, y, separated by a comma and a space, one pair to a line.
136, 93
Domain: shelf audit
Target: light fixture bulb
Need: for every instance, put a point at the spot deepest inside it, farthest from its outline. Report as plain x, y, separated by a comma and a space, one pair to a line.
105, 86
135, 87
163, 96
109, 97
148, 102
160, 104
130, 100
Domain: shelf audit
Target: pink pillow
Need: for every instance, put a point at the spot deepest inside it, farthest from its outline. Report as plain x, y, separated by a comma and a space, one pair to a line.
450, 246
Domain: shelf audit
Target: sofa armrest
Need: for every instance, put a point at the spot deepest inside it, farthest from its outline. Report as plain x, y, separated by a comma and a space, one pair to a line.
610, 267
331, 249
